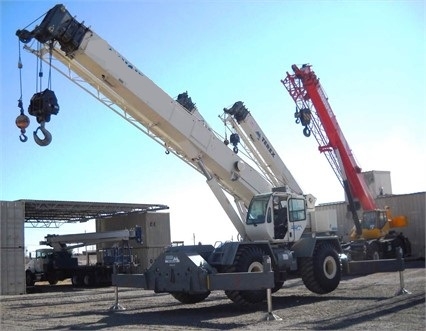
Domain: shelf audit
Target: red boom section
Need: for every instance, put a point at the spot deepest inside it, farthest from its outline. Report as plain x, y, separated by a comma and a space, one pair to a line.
305, 89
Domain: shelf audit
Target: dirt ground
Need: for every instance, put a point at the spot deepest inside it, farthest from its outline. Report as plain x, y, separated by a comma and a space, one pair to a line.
359, 303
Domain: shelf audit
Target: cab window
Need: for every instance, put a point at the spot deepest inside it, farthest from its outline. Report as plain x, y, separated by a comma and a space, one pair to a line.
373, 219
297, 210
383, 219
257, 210
269, 217
41, 254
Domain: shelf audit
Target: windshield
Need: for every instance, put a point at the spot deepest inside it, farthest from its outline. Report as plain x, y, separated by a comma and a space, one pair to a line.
43, 253
257, 209
373, 219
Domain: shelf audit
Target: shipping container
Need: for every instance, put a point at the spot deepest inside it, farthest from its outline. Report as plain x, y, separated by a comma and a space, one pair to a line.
12, 219
155, 234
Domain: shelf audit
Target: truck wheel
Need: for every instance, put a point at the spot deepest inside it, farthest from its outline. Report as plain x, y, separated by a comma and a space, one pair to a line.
406, 246
88, 280
53, 281
188, 298
52, 278
76, 280
29, 279
404, 243
247, 259
278, 286
321, 273
373, 252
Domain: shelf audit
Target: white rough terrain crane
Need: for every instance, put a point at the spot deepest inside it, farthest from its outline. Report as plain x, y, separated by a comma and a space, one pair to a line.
280, 237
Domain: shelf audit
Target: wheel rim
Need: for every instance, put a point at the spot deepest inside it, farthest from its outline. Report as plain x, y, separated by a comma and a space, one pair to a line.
255, 267
330, 267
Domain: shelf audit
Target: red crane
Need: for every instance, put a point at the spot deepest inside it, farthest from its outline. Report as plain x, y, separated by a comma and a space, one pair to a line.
305, 89
314, 112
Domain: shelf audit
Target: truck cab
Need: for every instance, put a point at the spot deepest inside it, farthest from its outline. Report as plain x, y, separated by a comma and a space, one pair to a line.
50, 265
35, 268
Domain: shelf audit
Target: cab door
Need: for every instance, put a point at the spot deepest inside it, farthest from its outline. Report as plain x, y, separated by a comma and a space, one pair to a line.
297, 218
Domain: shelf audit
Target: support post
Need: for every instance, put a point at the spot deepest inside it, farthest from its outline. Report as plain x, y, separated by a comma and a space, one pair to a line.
402, 289
116, 306
270, 316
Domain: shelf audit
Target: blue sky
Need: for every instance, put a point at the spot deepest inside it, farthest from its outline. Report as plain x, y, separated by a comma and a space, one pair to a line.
369, 55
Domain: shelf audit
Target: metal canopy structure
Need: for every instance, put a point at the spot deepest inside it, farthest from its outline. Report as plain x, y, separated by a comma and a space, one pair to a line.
45, 213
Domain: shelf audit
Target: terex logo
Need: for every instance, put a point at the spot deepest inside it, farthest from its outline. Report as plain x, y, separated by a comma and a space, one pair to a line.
171, 259
296, 227
266, 143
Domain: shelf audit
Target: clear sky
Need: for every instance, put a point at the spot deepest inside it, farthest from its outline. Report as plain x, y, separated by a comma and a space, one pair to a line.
369, 55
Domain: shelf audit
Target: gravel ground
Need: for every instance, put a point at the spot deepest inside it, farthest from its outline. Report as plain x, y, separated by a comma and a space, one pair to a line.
359, 303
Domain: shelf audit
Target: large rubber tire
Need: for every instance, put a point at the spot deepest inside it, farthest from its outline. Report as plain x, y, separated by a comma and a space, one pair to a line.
88, 280
247, 259
404, 243
29, 278
52, 279
76, 281
373, 252
278, 286
190, 298
322, 272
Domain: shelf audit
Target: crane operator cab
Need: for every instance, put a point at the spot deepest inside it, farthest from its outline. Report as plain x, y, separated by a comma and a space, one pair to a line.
276, 216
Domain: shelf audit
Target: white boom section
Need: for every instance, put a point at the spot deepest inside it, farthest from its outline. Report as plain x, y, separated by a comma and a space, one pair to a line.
59, 242
261, 149
182, 131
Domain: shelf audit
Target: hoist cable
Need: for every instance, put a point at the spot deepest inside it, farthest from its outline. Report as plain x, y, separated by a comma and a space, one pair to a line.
43, 15
40, 73
20, 73
49, 80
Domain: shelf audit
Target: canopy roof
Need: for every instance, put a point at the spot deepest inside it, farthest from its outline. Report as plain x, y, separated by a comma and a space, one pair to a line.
53, 213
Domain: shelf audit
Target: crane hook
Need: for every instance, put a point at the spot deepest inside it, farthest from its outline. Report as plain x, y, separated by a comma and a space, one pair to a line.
307, 131
47, 136
23, 137
22, 122
167, 151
